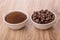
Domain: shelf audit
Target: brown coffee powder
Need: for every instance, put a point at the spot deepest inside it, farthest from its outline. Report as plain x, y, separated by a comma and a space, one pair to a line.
15, 17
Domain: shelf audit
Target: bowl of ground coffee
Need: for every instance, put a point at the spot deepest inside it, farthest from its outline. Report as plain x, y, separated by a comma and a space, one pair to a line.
15, 19
43, 19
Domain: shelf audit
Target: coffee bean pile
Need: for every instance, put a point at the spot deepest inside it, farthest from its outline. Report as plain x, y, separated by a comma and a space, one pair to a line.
43, 16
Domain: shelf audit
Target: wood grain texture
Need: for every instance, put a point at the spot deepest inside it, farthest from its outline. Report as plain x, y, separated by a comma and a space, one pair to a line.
29, 32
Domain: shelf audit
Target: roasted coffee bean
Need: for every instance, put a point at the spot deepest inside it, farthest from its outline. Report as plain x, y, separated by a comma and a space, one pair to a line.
34, 15
38, 13
47, 19
50, 20
34, 18
43, 17
46, 10
39, 16
37, 20
41, 11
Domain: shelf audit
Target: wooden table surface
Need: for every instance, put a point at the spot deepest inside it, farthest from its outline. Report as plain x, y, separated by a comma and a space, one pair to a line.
29, 32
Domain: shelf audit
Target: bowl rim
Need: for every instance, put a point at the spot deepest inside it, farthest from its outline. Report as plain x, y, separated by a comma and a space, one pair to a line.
47, 23
14, 11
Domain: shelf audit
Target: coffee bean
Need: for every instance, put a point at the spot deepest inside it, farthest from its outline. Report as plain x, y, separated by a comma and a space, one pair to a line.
34, 18
46, 10
41, 11
43, 16
37, 20
39, 16
47, 19
50, 20
38, 13
34, 15
42, 20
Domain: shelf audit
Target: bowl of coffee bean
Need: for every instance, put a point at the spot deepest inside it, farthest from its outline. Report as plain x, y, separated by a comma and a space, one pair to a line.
15, 19
43, 19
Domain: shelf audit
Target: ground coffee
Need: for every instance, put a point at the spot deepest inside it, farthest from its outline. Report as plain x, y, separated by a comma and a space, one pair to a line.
43, 16
15, 17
